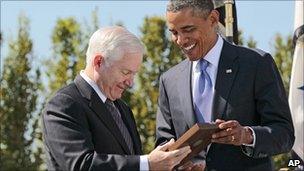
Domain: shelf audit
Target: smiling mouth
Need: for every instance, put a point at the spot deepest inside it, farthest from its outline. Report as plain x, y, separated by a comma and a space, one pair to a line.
189, 48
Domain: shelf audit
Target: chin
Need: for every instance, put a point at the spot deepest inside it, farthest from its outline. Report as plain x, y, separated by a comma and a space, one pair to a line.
192, 58
118, 96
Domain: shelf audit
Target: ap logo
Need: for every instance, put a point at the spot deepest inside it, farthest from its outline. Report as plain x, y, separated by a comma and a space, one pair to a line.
293, 163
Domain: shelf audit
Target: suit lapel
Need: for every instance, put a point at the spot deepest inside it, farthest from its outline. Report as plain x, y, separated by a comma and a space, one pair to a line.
185, 89
227, 70
100, 110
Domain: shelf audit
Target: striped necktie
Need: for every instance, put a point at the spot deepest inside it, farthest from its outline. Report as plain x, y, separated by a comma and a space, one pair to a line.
119, 122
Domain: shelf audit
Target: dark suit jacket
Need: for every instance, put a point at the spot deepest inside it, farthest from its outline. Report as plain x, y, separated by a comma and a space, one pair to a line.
253, 94
80, 134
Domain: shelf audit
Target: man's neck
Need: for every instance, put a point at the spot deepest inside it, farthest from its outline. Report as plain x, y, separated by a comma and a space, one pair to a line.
89, 72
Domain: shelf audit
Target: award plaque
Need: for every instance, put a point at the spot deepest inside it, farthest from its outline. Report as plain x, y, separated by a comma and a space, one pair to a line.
198, 137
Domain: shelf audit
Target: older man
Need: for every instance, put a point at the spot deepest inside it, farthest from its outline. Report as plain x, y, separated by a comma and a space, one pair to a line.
86, 124
239, 88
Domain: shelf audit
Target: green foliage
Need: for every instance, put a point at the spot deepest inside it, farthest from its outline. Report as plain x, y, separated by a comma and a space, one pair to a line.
161, 54
283, 52
281, 161
66, 38
240, 37
19, 93
70, 42
251, 43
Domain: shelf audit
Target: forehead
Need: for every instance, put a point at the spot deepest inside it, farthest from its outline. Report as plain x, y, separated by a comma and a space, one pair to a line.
182, 18
130, 61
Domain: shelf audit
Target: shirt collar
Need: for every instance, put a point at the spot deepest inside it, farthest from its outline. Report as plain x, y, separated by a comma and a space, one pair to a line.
93, 85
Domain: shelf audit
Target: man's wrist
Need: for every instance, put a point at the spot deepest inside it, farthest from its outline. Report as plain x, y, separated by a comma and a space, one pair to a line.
248, 135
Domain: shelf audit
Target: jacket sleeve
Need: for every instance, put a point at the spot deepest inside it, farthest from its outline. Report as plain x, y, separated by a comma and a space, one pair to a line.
68, 140
164, 126
275, 133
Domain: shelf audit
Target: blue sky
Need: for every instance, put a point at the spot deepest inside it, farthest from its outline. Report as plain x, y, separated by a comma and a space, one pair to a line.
260, 19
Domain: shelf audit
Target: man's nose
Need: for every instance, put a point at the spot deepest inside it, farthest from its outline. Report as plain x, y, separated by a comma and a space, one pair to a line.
181, 39
130, 81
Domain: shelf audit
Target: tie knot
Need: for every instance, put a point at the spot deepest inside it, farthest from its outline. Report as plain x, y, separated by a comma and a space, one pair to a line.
109, 102
204, 64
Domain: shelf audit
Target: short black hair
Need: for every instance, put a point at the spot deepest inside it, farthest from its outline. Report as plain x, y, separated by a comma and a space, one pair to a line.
201, 7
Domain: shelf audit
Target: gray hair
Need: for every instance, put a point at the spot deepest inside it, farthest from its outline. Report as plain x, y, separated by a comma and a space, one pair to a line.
112, 43
201, 7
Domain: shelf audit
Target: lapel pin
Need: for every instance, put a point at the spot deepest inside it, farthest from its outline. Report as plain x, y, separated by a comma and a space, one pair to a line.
228, 71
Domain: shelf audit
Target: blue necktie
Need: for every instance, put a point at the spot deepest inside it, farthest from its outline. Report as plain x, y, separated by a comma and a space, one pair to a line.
203, 94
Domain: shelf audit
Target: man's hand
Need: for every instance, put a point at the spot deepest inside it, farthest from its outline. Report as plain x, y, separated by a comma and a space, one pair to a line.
232, 133
161, 159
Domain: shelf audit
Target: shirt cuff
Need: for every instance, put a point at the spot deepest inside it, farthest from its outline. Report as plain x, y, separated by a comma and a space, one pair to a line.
253, 135
144, 163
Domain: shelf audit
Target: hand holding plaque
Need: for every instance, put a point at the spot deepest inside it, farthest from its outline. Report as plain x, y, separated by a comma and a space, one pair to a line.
198, 137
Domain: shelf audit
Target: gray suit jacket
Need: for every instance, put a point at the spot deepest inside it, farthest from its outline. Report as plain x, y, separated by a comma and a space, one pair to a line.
253, 94
80, 134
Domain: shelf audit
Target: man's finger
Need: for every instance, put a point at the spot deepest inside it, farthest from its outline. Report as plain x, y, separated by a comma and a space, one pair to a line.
223, 133
228, 124
166, 146
218, 121
180, 157
185, 150
224, 140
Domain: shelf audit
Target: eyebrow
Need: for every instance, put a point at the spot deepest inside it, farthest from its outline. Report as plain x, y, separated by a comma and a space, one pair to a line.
188, 26
130, 71
184, 27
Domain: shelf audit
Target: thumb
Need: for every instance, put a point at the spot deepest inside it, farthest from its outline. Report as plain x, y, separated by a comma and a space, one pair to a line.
218, 121
167, 145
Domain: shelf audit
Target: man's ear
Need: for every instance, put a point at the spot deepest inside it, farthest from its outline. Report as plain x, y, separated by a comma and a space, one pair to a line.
214, 17
98, 61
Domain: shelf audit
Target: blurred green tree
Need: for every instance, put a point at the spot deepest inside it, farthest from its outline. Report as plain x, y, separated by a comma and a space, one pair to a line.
20, 85
251, 43
70, 42
283, 51
67, 59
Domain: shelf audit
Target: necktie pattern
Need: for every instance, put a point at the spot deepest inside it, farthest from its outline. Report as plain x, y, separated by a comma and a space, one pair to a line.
119, 122
203, 94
